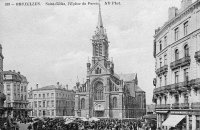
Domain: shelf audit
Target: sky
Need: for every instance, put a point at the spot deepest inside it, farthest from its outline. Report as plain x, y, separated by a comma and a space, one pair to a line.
50, 44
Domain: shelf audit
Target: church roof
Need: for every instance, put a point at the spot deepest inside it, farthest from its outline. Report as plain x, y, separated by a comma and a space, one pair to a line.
127, 77
138, 89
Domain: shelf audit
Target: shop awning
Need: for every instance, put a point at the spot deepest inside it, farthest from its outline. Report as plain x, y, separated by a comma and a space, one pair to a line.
173, 120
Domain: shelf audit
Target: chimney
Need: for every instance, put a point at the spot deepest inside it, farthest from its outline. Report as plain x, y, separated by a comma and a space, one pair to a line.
14, 71
185, 4
31, 88
18, 72
67, 86
172, 12
36, 86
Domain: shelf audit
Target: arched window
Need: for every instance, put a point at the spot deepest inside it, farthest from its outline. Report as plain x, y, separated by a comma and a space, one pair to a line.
160, 46
176, 54
98, 92
186, 50
114, 102
82, 103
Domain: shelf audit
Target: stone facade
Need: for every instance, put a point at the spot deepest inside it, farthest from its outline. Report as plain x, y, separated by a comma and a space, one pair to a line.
106, 94
15, 89
177, 66
2, 95
52, 101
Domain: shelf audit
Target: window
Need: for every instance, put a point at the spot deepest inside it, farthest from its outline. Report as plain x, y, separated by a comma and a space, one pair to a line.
176, 34
185, 28
100, 50
186, 74
165, 59
52, 103
165, 80
47, 103
176, 98
39, 95
165, 97
176, 77
47, 94
160, 62
35, 95
35, 103
39, 104
176, 54
160, 45
52, 94
43, 103
24, 88
185, 98
40, 112
52, 112
43, 95
8, 97
165, 41
160, 81
96, 50
8, 87
99, 91
98, 71
186, 50
114, 102
82, 103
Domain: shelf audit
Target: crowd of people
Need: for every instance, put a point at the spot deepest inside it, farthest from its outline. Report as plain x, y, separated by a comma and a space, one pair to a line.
76, 124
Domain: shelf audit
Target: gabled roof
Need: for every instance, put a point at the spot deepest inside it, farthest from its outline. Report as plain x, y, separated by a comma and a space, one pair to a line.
138, 89
127, 77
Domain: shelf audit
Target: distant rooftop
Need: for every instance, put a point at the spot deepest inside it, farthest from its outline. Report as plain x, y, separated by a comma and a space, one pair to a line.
127, 77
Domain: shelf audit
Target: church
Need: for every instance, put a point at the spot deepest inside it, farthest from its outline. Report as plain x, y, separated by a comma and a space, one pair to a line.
106, 94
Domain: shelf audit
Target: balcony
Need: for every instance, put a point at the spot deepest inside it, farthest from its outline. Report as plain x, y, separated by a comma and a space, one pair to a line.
185, 61
195, 105
175, 106
162, 70
163, 106
197, 56
184, 105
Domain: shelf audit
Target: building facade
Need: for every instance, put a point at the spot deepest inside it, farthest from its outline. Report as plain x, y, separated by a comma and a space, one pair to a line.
106, 94
51, 101
177, 67
2, 95
15, 89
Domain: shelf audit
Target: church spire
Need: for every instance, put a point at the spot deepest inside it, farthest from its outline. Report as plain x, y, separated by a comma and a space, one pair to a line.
100, 21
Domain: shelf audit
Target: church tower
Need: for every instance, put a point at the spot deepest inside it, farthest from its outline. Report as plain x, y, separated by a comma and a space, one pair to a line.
100, 42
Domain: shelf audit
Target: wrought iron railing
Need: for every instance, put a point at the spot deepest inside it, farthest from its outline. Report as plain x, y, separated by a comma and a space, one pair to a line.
180, 62
162, 69
175, 106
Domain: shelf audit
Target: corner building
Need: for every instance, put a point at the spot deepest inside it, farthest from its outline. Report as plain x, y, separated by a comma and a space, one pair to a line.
15, 89
106, 94
177, 67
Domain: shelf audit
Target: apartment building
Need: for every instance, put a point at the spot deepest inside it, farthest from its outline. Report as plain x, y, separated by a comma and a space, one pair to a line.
177, 67
51, 101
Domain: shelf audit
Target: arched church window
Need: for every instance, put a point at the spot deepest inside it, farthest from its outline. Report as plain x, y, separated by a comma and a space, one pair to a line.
98, 91
82, 103
114, 102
